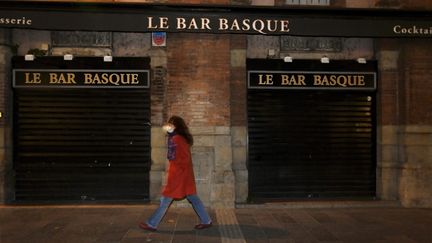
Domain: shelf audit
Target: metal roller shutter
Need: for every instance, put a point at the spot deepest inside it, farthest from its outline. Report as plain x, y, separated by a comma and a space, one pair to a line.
82, 144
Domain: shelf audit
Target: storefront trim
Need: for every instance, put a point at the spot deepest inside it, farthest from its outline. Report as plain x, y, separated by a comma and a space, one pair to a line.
219, 20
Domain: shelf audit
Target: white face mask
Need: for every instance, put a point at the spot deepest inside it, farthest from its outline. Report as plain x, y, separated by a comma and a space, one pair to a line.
168, 128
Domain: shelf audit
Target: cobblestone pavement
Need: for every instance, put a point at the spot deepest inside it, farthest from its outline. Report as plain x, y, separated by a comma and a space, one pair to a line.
81, 224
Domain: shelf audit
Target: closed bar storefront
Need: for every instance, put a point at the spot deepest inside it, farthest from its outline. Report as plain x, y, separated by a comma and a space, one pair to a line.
81, 129
312, 129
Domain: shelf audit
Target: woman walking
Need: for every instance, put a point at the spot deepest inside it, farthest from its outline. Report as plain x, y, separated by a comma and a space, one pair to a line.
181, 180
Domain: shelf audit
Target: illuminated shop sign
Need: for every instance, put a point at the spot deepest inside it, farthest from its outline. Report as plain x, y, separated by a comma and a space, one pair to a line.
70, 78
412, 30
220, 20
146, 23
311, 80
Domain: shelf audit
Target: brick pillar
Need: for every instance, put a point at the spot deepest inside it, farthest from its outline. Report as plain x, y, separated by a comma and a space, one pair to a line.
239, 116
405, 129
198, 89
5, 127
416, 175
389, 118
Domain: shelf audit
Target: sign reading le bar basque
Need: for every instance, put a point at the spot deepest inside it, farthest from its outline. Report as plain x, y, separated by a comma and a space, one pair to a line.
311, 80
71, 78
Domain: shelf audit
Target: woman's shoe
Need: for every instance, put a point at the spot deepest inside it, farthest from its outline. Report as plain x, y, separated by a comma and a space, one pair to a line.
203, 226
145, 226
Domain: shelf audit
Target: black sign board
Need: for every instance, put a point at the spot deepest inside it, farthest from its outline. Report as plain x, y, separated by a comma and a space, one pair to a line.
69, 78
198, 19
311, 80
81, 72
307, 74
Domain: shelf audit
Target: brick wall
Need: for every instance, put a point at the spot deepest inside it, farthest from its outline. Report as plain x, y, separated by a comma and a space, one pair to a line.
389, 99
238, 80
416, 132
418, 67
405, 74
198, 78
416, 4
390, 82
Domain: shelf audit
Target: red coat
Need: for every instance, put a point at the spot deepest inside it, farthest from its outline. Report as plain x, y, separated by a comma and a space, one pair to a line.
181, 179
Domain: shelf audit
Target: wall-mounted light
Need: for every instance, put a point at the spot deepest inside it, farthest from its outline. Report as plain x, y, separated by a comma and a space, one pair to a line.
361, 60
29, 57
108, 58
325, 59
271, 53
288, 59
68, 57
44, 47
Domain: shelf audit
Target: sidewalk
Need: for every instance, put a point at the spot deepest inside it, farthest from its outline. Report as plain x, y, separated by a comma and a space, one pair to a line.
82, 224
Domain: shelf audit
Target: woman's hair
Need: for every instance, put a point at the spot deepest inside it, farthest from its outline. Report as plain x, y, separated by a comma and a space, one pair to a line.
181, 128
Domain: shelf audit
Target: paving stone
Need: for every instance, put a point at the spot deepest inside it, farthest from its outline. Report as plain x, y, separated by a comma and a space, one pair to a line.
209, 235
104, 224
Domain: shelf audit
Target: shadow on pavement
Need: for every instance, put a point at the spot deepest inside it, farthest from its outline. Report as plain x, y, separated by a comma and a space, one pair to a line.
228, 231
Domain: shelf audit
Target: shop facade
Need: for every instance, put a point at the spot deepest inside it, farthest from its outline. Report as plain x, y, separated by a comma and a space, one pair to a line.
282, 104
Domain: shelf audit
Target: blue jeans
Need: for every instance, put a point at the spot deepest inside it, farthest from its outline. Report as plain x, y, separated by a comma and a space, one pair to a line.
165, 202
